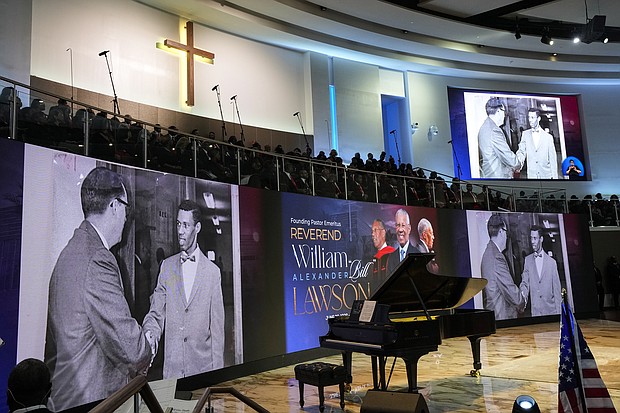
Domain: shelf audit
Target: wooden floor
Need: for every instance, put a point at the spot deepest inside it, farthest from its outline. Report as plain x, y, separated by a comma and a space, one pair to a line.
516, 360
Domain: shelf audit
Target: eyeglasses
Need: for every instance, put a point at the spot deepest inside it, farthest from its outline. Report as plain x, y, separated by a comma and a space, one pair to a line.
124, 203
377, 230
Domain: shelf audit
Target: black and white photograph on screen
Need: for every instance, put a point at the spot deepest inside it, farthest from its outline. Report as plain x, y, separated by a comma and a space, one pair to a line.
523, 257
117, 236
514, 136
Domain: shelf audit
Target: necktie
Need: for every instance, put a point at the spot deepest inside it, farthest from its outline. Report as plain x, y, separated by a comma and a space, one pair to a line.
402, 254
538, 254
185, 256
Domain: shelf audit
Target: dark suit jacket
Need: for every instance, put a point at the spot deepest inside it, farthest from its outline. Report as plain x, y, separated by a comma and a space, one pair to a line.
93, 345
194, 327
394, 257
501, 294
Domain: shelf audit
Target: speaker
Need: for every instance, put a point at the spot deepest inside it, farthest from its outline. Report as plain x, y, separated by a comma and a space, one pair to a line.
393, 402
594, 29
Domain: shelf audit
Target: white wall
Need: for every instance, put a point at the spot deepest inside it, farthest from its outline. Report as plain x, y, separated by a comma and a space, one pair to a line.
269, 81
358, 100
15, 34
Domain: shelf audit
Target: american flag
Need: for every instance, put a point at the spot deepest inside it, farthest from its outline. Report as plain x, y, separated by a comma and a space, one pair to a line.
580, 389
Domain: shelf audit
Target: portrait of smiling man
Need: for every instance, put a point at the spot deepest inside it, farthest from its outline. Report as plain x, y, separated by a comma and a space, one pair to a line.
404, 247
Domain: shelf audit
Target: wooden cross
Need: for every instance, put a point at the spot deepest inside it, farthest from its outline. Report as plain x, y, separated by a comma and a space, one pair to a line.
191, 51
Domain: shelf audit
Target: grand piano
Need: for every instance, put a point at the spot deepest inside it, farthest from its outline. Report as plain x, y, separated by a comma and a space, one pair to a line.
414, 310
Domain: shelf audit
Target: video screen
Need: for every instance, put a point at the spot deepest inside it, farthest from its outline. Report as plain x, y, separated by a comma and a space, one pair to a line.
129, 270
501, 135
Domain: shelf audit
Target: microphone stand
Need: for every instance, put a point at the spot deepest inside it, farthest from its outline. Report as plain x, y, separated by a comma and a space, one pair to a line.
216, 88
117, 110
234, 99
456, 159
397, 150
70, 50
308, 149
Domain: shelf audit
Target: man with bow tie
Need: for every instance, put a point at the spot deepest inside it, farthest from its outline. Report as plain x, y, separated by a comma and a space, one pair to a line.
540, 278
188, 303
538, 149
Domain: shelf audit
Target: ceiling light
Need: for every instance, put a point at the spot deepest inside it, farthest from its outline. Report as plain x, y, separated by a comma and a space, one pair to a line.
605, 39
576, 39
546, 39
216, 221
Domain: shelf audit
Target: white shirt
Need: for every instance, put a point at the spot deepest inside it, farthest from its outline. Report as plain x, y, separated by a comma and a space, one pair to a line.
189, 268
539, 263
536, 137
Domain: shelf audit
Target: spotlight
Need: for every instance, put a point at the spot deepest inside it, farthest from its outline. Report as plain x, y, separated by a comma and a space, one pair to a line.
525, 403
605, 39
546, 39
576, 39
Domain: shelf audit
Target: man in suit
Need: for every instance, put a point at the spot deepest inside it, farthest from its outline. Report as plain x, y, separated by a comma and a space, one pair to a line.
540, 278
188, 302
497, 160
378, 236
144, 283
403, 230
425, 243
29, 387
537, 147
500, 294
93, 344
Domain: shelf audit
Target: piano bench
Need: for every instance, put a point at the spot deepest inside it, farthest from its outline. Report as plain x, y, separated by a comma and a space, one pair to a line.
320, 374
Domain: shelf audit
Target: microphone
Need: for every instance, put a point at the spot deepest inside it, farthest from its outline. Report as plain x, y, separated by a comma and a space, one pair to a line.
105, 52
296, 114
214, 88
234, 97
393, 131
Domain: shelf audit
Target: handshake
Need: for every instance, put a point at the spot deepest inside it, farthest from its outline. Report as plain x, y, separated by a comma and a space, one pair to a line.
153, 343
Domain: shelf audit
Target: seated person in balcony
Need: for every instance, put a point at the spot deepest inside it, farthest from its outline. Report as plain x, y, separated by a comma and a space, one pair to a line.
32, 118
304, 185
470, 199
6, 106
356, 187
288, 180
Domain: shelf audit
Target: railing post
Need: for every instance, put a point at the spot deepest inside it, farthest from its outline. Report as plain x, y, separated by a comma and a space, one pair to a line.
278, 172
239, 151
145, 149
376, 188
86, 129
312, 177
13, 114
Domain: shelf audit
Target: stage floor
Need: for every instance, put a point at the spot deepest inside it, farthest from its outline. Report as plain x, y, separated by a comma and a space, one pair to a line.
516, 360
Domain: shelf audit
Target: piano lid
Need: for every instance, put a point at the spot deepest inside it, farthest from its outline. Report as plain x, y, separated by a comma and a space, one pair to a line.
436, 291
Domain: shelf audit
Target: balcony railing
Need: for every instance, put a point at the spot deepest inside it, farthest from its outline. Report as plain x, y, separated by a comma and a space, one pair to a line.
83, 129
